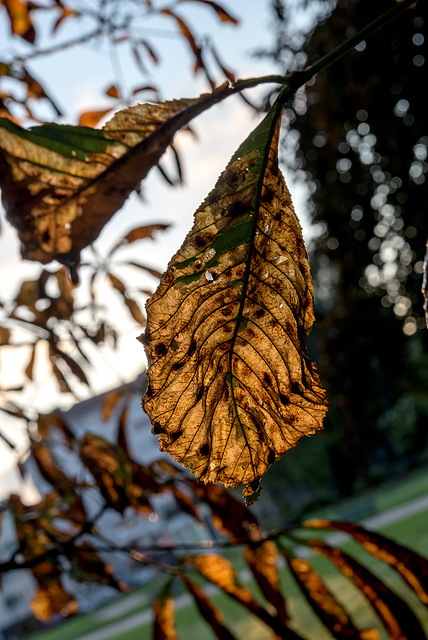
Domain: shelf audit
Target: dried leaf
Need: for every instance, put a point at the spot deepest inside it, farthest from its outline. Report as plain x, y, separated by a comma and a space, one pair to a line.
208, 610
220, 572
231, 387
263, 564
49, 469
65, 13
49, 420
187, 33
325, 605
164, 616
111, 469
135, 310
409, 564
139, 233
152, 53
220, 11
395, 613
186, 504
153, 272
51, 596
61, 184
113, 92
229, 516
4, 336
75, 368
92, 118
110, 402
87, 563
20, 20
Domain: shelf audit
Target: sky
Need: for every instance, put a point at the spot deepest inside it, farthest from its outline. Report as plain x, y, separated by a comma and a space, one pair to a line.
78, 79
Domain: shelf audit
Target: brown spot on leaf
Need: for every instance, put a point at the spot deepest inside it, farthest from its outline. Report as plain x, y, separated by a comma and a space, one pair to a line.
160, 349
267, 379
157, 428
199, 242
192, 349
271, 457
283, 398
204, 450
260, 313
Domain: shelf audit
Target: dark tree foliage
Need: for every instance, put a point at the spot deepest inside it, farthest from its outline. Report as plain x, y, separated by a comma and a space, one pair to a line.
363, 155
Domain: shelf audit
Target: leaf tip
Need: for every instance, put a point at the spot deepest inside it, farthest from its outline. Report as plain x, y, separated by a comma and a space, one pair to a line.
252, 493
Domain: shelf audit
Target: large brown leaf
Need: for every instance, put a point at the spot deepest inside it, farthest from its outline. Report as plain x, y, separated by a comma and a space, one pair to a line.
61, 184
231, 388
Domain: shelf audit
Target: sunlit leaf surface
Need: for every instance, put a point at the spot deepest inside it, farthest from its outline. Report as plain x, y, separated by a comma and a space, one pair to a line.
231, 387
61, 184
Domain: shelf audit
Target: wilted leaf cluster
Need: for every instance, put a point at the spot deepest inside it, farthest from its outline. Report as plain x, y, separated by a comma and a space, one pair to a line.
129, 26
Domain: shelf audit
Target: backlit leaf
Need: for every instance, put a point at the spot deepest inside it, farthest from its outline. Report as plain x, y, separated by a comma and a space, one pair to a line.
164, 616
409, 564
208, 610
220, 572
51, 597
188, 35
61, 184
397, 616
20, 20
263, 564
220, 11
231, 387
229, 515
48, 467
325, 605
92, 118
139, 233
111, 469
110, 402
87, 563
113, 91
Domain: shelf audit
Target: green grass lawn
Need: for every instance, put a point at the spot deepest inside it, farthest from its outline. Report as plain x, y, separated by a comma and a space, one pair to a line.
412, 532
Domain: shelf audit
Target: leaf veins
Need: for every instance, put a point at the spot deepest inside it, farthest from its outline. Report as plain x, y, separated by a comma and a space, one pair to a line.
231, 388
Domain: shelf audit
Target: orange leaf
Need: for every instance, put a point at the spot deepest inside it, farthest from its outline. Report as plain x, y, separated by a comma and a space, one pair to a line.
20, 21
220, 11
410, 565
325, 605
395, 613
113, 92
92, 118
220, 572
110, 403
208, 610
139, 233
135, 310
65, 13
164, 622
263, 564
189, 37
